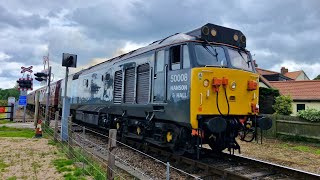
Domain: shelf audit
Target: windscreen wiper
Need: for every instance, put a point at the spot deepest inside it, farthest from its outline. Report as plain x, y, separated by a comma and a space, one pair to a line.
243, 58
215, 50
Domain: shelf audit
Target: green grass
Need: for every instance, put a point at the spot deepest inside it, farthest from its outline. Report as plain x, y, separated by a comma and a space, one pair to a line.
15, 132
67, 165
302, 148
3, 165
5, 121
12, 178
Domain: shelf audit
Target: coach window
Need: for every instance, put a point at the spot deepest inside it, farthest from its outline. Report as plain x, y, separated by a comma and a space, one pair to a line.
186, 59
160, 61
175, 57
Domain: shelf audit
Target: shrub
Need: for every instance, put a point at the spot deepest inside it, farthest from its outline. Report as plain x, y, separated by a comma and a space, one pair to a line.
310, 114
283, 105
266, 99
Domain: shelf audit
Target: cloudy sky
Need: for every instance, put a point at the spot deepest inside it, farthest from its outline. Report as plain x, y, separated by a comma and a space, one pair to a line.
279, 33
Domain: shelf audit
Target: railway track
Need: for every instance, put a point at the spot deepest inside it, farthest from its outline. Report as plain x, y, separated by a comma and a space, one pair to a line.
211, 166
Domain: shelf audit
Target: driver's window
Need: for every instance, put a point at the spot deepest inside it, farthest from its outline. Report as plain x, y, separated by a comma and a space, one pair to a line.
175, 60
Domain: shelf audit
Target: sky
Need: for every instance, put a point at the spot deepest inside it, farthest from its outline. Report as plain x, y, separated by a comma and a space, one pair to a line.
279, 33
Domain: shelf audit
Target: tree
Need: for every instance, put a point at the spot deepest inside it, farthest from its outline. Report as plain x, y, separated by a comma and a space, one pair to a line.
283, 105
317, 78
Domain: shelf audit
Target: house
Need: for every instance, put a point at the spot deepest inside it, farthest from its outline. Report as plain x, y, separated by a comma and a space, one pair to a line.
272, 75
305, 94
295, 75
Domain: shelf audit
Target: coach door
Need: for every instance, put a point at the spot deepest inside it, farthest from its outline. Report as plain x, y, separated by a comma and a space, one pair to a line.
160, 71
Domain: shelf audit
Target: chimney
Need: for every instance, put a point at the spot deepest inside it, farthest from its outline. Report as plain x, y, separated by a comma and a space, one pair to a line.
284, 70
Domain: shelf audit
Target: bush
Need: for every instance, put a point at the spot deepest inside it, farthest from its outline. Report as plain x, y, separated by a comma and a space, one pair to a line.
310, 114
283, 105
266, 99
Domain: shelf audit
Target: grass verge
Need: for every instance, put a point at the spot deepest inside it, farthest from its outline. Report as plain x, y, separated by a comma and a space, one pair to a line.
79, 166
5, 121
301, 148
16, 132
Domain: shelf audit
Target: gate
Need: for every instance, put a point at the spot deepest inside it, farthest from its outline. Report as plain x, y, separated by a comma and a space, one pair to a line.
3, 111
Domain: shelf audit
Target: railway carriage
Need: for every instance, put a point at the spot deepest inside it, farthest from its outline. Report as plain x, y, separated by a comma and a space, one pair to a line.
180, 92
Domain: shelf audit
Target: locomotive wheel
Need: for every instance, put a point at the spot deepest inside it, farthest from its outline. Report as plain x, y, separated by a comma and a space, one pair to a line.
179, 140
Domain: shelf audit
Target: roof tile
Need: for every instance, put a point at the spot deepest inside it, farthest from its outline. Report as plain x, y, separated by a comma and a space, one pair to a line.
299, 90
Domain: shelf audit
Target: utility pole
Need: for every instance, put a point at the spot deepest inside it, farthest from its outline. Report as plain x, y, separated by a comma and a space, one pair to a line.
47, 120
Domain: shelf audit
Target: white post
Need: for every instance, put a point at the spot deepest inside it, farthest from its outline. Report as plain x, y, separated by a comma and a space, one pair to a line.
168, 171
65, 110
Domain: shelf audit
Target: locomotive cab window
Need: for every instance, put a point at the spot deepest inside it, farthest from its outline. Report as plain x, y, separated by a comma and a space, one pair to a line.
175, 57
160, 61
186, 58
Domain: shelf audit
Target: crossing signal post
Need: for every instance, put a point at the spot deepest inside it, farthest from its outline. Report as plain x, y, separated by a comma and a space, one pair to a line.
25, 84
40, 76
68, 60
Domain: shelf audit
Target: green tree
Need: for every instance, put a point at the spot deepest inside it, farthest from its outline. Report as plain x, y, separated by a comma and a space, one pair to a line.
5, 93
283, 105
317, 78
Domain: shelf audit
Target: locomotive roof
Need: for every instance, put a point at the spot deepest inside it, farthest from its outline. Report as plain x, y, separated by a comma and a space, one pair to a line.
175, 38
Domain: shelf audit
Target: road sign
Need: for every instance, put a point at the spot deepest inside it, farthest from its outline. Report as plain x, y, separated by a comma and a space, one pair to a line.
23, 100
24, 69
11, 100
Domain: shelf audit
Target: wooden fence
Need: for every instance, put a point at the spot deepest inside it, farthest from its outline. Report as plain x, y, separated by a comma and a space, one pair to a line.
293, 126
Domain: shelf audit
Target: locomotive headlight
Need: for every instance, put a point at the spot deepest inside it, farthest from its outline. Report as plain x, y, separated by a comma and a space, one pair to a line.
235, 37
213, 32
233, 85
206, 83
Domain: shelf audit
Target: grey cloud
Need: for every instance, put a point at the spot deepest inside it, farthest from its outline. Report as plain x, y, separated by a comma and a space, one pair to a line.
21, 21
285, 29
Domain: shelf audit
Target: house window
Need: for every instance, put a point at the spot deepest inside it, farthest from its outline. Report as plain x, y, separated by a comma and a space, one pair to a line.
301, 107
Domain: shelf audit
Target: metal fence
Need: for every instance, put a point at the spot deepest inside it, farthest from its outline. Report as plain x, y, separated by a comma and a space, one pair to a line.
104, 157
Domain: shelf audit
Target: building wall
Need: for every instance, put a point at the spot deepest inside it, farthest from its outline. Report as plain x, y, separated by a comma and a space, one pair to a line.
261, 84
308, 104
302, 76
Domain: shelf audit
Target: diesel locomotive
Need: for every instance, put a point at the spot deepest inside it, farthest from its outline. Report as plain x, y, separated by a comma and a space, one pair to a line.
179, 92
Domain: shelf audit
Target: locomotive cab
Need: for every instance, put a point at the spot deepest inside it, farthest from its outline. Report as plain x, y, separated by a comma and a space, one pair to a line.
224, 87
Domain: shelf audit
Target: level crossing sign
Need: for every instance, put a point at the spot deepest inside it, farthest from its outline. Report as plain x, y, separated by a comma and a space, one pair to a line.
24, 69
23, 100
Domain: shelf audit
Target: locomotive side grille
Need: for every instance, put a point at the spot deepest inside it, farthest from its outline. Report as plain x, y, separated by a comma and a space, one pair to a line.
143, 84
129, 85
117, 91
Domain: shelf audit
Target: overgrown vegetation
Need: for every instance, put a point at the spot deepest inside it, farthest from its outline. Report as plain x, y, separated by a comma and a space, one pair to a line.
266, 99
86, 166
283, 105
310, 114
15, 132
